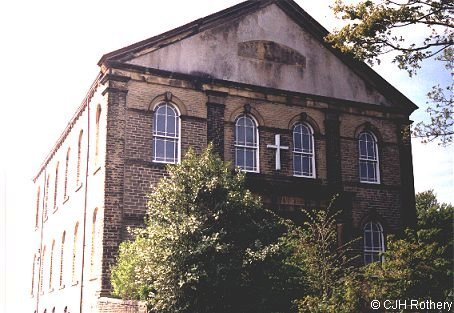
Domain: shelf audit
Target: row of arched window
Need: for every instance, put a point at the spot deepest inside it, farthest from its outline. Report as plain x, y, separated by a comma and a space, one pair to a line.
48, 259
166, 137
67, 170
65, 310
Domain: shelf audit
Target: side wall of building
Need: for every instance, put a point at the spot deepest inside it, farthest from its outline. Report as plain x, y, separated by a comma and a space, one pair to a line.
69, 214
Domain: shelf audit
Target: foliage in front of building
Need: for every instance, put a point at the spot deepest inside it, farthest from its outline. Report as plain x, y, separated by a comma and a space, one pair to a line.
208, 246
419, 265
333, 283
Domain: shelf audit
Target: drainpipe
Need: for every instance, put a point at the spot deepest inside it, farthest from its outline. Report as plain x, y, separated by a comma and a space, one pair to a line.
85, 207
38, 289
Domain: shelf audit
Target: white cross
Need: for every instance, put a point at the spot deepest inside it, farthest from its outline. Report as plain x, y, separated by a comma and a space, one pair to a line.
278, 147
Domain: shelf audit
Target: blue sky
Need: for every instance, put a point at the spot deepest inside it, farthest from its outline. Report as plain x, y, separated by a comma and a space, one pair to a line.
49, 55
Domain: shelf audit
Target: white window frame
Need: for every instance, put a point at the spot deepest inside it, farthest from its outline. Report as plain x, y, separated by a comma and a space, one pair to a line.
373, 250
368, 159
302, 153
165, 136
244, 147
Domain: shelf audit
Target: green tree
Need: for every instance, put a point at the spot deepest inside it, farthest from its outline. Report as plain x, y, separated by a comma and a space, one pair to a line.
419, 265
381, 27
208, 246
333, 284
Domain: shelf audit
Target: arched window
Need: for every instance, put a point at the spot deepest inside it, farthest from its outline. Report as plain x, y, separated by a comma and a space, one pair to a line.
46, 197
79, 153
166, 134
73, 270
37, 207
65, 189
98, 115
246, 143
56, 186
93, 241
41, 270
373, 242
368, 158
62, 256
51, 264
303, 151
33, 274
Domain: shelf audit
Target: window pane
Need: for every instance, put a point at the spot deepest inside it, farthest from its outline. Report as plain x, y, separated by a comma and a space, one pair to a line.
363, 170
374, 227
297, 164
362, 149
240, 135
170, 112
376, 242
160, 124
239, 158
250, 159
171, 126
367, 240
159, 151
371, 171
248, 122
298, 146
306, 144
370, 151
307, 165
170, 151
250, 136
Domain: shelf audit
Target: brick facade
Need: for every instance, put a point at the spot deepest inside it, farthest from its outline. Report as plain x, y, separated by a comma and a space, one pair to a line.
115, 181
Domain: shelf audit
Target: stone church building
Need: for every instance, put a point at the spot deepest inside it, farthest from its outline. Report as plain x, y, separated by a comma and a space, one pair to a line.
259, 82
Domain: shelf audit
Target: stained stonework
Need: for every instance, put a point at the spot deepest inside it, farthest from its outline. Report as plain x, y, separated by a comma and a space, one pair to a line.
270, 51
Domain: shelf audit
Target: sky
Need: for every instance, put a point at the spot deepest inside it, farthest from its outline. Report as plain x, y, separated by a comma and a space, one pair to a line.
49, 54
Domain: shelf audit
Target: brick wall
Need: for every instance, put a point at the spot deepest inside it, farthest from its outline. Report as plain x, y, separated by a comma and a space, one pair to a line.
110, 305
69, 200
127, 171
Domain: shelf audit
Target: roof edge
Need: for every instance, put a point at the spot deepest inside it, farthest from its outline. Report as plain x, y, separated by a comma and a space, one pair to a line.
193, 28
70, 124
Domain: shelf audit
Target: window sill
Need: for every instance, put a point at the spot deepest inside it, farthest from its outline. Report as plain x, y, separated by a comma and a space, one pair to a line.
93, 279
302, 176
61, 287
79, 187
75, 283
66, 199
164, 162
248, 171
55, 209
370, 182
51, 290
